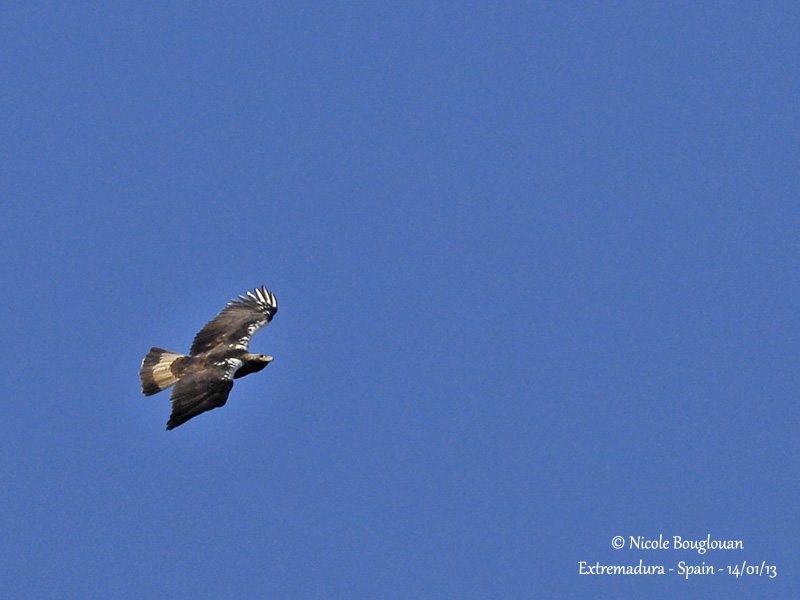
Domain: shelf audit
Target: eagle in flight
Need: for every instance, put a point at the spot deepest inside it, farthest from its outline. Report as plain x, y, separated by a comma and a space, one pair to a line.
204, 378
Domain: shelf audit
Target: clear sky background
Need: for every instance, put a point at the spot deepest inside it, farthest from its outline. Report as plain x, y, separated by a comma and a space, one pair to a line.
538, 275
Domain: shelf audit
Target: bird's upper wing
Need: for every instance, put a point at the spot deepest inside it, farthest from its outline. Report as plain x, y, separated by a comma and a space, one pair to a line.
202, 390
236, 324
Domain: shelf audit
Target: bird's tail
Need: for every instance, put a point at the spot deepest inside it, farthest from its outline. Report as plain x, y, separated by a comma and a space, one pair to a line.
158, 372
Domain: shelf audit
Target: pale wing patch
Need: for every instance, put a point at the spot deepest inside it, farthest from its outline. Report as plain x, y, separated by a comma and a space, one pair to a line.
231, 365
244, 342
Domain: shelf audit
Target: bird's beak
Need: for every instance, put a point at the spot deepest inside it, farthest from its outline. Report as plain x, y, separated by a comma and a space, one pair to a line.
269, 359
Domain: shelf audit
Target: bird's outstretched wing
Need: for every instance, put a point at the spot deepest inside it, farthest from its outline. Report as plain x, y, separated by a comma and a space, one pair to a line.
202, 390
236, 324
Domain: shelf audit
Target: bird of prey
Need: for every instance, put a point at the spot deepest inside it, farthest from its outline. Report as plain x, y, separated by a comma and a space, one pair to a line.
219, 354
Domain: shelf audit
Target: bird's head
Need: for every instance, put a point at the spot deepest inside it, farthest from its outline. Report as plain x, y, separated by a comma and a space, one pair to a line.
258, 359
252, 363
261, 362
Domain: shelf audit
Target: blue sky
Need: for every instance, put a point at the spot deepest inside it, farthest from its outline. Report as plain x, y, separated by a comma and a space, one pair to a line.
537, 267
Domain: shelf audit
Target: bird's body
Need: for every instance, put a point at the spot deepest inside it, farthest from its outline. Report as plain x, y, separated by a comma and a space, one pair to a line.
219, 354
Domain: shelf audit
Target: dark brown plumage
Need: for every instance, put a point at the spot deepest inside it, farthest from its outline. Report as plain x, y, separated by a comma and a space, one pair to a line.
218, 355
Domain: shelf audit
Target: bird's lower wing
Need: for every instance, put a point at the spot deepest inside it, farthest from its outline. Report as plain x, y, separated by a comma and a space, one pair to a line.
194, 395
